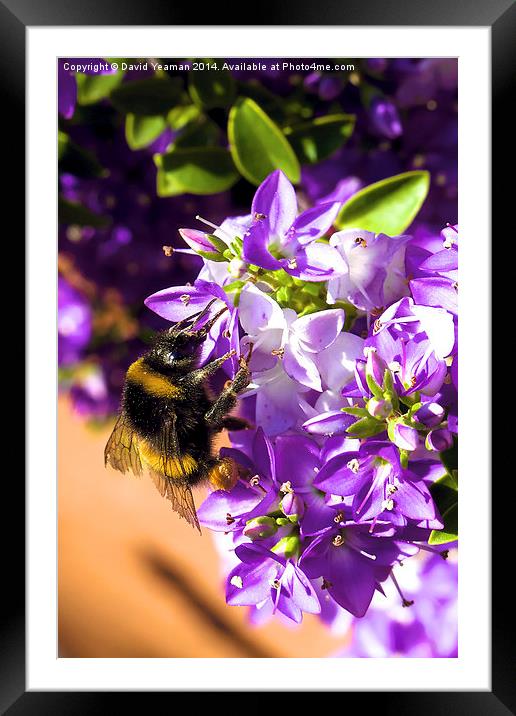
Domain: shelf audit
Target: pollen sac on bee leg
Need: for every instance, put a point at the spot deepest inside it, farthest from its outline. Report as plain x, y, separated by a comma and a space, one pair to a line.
224, 474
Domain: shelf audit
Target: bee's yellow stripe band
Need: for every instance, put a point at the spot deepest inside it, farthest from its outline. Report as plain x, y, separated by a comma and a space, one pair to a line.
172, 467
154, 383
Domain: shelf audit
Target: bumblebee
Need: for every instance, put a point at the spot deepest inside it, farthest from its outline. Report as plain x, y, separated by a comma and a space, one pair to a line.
168, 416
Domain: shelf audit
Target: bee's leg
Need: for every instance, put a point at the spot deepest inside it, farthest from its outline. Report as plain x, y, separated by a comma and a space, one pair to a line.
223, 473
226, 401
200, 374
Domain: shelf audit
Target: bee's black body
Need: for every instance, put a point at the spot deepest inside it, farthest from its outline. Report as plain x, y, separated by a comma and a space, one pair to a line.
147, 414
168, 417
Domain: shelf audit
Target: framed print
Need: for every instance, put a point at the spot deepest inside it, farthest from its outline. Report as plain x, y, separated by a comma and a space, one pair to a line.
251, 241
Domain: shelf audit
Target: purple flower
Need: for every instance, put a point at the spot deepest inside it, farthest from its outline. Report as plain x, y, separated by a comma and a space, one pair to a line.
404, 436
330, 87
381, 489
351, 563
297, 463
73, 323
66, 91
439, 440
375, 274
429, 414
385, 118
280, 400
414, 341
277, 333
263, 575
436, 284
279, 239
250, 498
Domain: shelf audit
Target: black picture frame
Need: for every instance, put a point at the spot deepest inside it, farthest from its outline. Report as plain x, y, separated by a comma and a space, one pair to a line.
15, 17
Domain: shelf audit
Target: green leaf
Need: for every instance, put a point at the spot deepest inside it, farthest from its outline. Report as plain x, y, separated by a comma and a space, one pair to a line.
359, 412
179, 117
147, 97
451, 527
62, 144
268, 101
218, 244
211, 88
388, 206
374, 387
195, 170
318, 139
444, 492
258, 145
71, 212
365, 428
202, 133
92, 88
142, 131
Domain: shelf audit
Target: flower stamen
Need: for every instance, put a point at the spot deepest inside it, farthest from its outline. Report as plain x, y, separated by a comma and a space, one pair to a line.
404, 601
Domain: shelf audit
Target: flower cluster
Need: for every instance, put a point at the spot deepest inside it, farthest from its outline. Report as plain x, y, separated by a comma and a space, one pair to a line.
347, 130
352, 405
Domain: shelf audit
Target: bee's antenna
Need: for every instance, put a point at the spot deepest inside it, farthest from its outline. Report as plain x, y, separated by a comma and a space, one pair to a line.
204, 311
185, 323
204, 329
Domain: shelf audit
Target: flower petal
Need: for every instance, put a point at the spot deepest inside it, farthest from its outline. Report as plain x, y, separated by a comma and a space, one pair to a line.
435, 291
215, 508
300, 366
302, 592
275, 198
315, 222
258, 312
337, 362
318, 330
333, 422
256, 247
317, 262
297, 458
337, 478
250, 585
177, 303
352, 581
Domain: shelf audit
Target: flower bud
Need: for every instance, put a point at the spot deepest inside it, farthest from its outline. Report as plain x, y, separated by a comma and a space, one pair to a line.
292, 505
429, 414
379, 409
288, 547
260, 528
374, 372
202, 244
196, 240
439, 440
403, 436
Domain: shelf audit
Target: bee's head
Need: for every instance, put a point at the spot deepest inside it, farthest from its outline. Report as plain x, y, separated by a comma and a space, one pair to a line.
178, 347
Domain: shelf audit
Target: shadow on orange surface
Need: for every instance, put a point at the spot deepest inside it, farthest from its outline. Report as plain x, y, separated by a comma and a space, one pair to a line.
136, 581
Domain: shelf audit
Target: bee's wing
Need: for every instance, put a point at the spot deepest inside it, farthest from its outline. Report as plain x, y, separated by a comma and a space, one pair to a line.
121, 451
174, 488
178, 491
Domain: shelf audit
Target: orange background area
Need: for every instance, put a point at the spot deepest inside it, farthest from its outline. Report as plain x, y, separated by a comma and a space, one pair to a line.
136, 581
